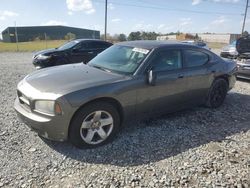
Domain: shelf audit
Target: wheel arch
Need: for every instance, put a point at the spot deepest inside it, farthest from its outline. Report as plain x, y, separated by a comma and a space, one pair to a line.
109, 100
224, 77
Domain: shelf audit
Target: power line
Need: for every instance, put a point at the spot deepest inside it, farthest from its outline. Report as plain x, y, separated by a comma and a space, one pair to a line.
206, 1
170, 9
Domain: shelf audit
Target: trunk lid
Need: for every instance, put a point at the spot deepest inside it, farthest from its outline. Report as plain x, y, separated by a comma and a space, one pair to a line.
243, 45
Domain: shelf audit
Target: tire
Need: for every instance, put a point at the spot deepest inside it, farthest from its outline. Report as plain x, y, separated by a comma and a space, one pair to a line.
94, 125
217, 93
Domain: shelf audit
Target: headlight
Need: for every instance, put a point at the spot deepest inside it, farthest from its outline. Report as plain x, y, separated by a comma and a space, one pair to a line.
48, 107
43, 57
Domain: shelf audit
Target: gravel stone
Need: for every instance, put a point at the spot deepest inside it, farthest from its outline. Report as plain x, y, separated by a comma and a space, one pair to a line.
198, 147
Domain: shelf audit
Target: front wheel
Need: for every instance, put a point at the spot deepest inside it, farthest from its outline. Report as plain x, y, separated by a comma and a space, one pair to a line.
217, 93
94, 125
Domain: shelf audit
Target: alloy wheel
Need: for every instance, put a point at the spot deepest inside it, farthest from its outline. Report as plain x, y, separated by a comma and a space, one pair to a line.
96, 127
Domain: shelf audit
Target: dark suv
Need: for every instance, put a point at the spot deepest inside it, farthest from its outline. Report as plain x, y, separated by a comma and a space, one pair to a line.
80, 50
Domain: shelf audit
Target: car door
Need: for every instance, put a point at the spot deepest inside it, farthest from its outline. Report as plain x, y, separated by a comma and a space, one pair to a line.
80, 53
198, 74
169, 92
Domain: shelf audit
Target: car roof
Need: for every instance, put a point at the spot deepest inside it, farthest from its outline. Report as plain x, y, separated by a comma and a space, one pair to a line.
152, 44
91, 40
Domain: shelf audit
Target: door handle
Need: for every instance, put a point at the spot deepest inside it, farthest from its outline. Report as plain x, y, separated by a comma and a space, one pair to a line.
90, 52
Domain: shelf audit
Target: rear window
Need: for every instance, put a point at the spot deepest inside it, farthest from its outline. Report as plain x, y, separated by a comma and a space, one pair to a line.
195, 58
97, 45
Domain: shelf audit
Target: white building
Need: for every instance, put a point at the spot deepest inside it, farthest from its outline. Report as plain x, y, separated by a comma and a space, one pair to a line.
166, 37
220, 38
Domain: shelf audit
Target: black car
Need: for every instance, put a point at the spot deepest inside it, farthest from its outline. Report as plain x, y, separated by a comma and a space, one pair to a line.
80, 50
243, 59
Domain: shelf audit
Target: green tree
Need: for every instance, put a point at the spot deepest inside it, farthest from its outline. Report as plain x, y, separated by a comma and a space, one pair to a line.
196, 37
245, 34
135, 36
122, 37
149, 35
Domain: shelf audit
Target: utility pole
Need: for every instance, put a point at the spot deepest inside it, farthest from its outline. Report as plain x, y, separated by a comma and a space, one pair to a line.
17, 48
106, 10
244, 21
45, 37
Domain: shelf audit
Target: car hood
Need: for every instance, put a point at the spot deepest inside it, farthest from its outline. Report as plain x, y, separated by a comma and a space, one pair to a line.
229, 47
243, 45
47, 52
69, 78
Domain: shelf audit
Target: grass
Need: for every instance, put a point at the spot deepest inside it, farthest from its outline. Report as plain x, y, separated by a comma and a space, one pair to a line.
30, 46
41, 45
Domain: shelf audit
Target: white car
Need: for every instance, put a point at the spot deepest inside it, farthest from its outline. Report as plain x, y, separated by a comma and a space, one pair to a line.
229, 51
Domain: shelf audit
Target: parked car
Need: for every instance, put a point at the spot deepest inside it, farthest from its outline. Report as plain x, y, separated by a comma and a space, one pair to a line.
197, 43
88, 103
243, 60
229, 51
80, 50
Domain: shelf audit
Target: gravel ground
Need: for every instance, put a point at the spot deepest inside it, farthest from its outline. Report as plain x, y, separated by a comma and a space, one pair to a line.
199, 147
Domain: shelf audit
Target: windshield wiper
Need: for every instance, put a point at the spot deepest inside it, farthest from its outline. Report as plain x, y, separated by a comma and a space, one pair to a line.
101, 68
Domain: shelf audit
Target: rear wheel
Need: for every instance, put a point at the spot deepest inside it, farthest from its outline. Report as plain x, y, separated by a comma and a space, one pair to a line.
217, 93
94, 125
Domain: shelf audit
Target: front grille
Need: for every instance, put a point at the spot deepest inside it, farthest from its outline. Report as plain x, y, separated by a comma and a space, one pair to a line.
243, 63
24, 100
246, 61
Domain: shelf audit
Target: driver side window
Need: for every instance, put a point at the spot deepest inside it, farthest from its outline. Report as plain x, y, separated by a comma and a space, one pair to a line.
81, 47
168, 60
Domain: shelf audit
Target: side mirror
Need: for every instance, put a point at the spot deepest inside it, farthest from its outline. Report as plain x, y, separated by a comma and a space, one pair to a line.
151, 77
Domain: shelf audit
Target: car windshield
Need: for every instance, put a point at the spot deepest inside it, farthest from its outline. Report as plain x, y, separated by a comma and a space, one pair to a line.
120, 59
68, 45
233, 43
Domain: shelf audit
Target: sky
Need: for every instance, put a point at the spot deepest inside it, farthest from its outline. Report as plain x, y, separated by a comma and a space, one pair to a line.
164, 16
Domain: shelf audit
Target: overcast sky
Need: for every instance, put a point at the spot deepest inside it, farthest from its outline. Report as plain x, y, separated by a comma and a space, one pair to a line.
195, 16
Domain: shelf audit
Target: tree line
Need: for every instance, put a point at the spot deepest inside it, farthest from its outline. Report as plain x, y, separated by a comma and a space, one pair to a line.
136, 35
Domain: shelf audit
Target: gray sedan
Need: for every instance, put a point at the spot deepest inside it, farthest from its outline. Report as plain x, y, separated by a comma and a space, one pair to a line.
87, 104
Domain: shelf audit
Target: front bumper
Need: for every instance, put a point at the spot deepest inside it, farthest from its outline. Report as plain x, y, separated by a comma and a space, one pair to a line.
227, 54
50, 127
38, 63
